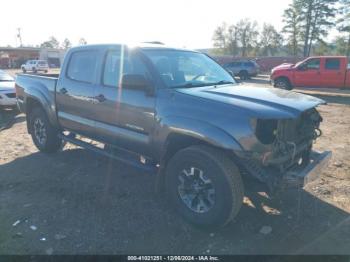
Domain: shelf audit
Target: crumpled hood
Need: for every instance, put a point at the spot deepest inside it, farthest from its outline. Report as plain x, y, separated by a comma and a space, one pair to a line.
7, 86
257, 101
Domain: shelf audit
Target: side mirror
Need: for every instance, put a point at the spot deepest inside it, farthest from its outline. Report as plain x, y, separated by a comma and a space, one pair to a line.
233, 76
136, 82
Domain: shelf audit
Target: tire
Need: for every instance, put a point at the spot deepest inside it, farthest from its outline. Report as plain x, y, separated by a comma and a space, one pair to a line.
24, 70
45, 71
219, 174
243, 75
282, 83
34, 70
44, 135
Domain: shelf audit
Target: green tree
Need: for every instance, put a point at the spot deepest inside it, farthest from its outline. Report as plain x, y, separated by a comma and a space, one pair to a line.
66, 44
316, 17
270, 40
322, 48
291, 28
82, 41
219, 38
344, 25
51, 43
247, 34
232, 40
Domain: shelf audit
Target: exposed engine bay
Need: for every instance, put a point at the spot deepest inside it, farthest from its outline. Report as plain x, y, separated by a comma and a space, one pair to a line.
287, 143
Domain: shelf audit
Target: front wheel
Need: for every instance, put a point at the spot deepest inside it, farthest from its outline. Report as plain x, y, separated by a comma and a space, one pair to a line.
204, 185
44, 135
282, 83
24, 70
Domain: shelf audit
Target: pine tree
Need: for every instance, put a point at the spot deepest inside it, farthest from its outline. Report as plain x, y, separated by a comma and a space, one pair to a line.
316, 17
291, 28
344, 23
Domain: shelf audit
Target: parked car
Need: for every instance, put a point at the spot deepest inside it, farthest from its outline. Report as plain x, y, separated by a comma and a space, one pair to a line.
321, 71
7, 90
244, 69
177, 114
35, 66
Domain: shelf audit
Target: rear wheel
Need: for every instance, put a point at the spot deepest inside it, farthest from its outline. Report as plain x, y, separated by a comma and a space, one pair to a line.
44, 135
243, 75
283, 83
204, 185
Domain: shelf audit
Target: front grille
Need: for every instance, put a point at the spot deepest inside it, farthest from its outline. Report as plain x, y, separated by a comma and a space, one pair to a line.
11, 95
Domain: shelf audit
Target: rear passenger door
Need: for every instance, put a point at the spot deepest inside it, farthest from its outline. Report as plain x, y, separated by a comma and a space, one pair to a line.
75, 92
124, 116
333, 73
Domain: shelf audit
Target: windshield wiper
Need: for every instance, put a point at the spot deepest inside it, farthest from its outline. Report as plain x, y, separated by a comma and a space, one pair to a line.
222, 82
189, 85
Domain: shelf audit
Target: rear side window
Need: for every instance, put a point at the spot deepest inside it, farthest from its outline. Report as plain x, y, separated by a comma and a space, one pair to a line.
332, 64
248, 64
82, 66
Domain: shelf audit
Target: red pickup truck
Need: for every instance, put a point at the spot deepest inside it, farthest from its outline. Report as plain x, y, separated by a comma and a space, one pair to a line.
322, 71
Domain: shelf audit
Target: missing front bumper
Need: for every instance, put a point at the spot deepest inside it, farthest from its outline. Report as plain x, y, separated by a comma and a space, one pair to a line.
301, 177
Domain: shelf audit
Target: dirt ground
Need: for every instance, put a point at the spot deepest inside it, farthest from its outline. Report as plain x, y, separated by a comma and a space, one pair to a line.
76, 202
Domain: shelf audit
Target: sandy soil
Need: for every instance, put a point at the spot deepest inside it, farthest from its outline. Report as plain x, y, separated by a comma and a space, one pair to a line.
82, 203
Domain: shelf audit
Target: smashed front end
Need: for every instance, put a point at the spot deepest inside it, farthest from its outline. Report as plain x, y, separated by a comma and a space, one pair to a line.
282, 153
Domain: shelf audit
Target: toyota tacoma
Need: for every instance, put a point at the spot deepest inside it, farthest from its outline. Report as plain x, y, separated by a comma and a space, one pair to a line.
179, 115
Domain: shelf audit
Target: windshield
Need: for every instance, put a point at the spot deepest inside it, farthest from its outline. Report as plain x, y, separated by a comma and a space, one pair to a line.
5, 77
181, 69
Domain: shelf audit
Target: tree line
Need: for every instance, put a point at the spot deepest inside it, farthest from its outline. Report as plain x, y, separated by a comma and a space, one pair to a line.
306, 24
52, 42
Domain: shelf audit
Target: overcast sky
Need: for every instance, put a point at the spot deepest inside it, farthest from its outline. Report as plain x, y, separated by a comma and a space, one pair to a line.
181, 23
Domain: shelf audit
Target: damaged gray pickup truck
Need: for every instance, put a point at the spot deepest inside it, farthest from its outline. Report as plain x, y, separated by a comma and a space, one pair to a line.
177, 114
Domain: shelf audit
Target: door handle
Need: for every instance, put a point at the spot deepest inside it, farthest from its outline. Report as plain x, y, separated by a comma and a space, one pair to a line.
100, 98
63, 90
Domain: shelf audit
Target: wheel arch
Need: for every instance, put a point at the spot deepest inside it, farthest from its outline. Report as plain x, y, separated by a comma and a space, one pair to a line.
37, 101
286, 78
209, 136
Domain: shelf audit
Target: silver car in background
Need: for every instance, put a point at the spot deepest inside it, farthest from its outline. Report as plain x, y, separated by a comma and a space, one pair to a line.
7, 90
244, 68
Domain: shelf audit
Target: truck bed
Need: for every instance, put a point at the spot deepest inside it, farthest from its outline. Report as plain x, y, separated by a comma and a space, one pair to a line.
41, 86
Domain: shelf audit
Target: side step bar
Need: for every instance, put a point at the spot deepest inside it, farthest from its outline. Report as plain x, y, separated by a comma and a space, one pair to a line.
123, 156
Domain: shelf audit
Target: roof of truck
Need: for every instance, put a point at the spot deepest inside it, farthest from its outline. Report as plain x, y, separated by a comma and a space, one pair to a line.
144, 45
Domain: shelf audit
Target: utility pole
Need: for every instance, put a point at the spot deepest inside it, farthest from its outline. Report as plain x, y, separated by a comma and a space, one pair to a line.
19, 36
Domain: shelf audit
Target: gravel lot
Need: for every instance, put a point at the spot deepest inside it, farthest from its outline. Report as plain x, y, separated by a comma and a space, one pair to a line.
76, 202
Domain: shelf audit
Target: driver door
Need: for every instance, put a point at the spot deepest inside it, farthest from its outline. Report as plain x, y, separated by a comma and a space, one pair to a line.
308, 74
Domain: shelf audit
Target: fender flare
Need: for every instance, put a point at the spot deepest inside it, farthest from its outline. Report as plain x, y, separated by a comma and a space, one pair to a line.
42, 98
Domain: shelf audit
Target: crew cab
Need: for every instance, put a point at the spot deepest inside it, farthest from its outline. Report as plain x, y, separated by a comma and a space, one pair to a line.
321, 71
35, 66
178, 115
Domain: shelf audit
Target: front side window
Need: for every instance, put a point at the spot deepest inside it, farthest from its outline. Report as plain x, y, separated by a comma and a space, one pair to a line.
187, 69
332, 64
122, 62
313, 64
82, 66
